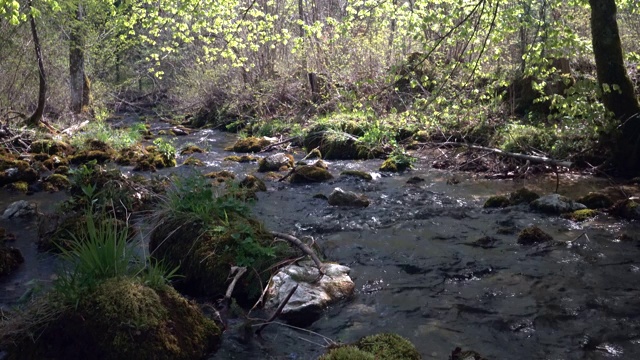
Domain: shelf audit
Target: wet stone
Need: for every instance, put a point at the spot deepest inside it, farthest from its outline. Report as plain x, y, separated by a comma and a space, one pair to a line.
555, 204
21, 208
339, 197
533, 235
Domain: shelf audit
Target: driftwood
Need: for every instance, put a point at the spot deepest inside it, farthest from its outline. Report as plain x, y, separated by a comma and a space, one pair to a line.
72, 129
531, 158
278, 310
302, 246
239, 271
272, 146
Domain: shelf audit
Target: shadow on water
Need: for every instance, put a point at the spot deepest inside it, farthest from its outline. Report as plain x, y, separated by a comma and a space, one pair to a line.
420, 273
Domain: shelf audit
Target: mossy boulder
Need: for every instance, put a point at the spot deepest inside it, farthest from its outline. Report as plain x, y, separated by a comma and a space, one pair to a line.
153, 159
130, 155
310, 174
125, 319
581, 215
596, 200
20, 171
56, 182
522, 196
358, 174
252, 183
497, 201
385, 346
221, 176
249, 145
96, 150
191, 149
55, 162
555, 204
62, 170
10, 258
335, 144
627, 209
395, 164
241, 159
192, 161
205, 256
533, 235
50, 147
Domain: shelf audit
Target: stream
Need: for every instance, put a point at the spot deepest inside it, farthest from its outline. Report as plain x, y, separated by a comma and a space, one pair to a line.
417, 270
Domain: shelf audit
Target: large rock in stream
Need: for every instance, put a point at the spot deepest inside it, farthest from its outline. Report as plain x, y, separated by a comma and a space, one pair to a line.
307, 303
339, 197
555, 204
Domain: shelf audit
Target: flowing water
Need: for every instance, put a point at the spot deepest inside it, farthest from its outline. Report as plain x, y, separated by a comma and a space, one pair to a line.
419, 272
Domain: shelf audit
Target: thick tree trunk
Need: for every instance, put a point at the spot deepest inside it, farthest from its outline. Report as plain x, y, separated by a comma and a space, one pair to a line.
42, 89
618, 95
78, 80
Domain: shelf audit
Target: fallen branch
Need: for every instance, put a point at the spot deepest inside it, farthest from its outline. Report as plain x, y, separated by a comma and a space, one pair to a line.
72, 129
302, 246
278, 310
270, 147
532, 158
239, 271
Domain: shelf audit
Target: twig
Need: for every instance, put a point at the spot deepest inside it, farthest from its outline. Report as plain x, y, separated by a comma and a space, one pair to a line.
270, 147
532, 158
302, 246
278, 310
239, 271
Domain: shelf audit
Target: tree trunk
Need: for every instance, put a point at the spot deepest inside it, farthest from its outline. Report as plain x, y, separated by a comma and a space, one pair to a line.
78, 80
618, 94
35, 119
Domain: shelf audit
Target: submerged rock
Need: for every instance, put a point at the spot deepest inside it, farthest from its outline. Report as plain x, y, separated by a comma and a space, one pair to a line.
581, 215
275, 162
191, 149
311, 297
555, 204
339, 197
193, 161
20, 208
522, 196
497, 201
241, 159
533, 235
359, 174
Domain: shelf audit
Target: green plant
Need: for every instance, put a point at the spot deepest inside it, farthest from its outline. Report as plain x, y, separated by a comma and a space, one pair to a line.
165, 147
401, 158
116, 138
157, 274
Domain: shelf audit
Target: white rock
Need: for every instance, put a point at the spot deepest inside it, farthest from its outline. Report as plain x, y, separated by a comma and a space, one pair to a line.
311, 297
556, 204
275, 162
20, 208
339, 197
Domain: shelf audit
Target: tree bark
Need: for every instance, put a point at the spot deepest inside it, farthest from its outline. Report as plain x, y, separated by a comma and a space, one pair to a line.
35, 119
620, 100
78, 80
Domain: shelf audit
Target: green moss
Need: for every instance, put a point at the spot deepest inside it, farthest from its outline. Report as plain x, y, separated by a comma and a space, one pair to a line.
63, 170
85, 156
241, 159
129, 155
522, 196
581, 215
124, 319
252, 183
314, 154
57, 182
20, 171
193, 161
347, 353
390, 166
50, 147
360, 174
596, 200
533, 235
310, 174
626, 209
55, 162
191, 149
497, 201
389, 347
334, 143
153, 159
249, 145
19, 186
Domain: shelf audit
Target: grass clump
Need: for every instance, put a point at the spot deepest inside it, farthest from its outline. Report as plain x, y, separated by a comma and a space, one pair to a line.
115, 138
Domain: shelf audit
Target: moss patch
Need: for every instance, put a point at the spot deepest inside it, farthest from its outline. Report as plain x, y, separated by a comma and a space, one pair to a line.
389, 347
336, 143
581, 215
249, 145
393, 165
252, 183
497, 201
56, 182
347, 353
626, 209
19, 186
50, 147
533, 235
221, 176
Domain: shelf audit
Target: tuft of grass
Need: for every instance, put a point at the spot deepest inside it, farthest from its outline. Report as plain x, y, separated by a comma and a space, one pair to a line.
116, 138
